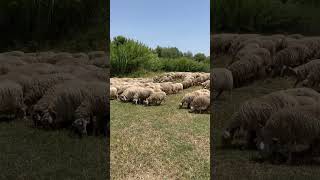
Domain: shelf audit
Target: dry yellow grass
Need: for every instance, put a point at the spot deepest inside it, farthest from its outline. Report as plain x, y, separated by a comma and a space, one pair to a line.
161, 142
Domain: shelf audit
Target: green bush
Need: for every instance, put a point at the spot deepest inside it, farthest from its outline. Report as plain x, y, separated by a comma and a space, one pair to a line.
184, 65
133, 58
128, 56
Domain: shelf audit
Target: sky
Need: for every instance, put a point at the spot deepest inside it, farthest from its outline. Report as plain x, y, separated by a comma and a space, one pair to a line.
184, 24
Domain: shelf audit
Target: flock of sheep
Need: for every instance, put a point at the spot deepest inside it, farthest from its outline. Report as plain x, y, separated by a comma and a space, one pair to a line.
154, 91
284, 125
256, 56
56, 90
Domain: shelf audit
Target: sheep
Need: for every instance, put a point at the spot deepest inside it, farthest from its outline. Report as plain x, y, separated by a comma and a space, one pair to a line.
100, 62
96, 54
24, 80
155, 98
313, 78
14, 53
292, 56
142, 94
12, 60
301, 72
36, 69
188, 98
200, 103
222, 79
41, 84
167, 87
81, 55
291, 131
206, 84
129, 93
56, 108
113, 93
177, 87
11, 100
92, 115
253, 114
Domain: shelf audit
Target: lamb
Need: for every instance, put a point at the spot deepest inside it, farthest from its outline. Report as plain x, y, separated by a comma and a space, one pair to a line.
142, 94
291, 131
11, 100
155, 98
113, 93
56, 108
200, 103
222, 79
92, 115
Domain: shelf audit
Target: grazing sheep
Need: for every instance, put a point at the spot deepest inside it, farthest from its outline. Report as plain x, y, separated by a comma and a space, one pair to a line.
291, 131
92, 115
56, 108
200, 104
142, 94
301, 72
11, 100
188, 98
222, 79
252, 116
155, 98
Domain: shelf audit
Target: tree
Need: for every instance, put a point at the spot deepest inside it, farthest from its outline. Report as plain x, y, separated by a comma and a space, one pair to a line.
200, 57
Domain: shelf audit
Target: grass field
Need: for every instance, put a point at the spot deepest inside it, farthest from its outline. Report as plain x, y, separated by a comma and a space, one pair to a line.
159, 142
238, 164
29, 153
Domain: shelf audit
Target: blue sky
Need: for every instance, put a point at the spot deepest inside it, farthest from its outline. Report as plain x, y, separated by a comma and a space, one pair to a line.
184, 24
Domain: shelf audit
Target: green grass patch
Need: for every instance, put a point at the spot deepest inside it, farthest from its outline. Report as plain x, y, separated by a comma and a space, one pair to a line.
29, 153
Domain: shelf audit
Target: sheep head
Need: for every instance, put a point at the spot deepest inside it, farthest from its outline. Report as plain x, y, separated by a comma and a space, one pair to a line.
80, 125
123, 98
